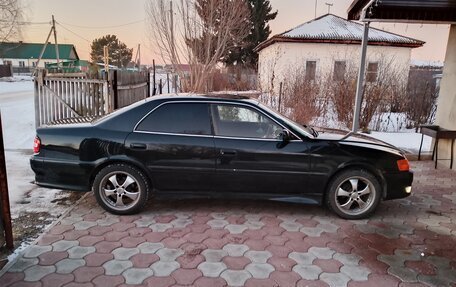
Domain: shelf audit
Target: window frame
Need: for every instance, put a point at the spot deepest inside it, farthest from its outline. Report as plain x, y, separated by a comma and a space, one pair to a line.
315, 71
336, 75
209, 102
135, 129
371, 73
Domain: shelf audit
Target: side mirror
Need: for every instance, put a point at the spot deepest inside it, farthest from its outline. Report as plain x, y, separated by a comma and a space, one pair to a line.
285, 135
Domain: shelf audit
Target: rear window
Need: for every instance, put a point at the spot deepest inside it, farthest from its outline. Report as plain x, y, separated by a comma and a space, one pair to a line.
178, 118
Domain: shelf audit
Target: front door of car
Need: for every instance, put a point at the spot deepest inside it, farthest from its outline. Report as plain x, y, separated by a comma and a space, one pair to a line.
176, 144
251, 158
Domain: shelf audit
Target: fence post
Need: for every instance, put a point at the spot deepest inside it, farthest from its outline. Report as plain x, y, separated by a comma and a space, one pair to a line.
160, 87
167, 81
280, 95
5, 214
37, 102
114, 90
148, 84
154, 90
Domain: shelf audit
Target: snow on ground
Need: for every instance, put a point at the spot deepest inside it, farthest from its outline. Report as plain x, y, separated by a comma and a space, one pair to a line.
409, 141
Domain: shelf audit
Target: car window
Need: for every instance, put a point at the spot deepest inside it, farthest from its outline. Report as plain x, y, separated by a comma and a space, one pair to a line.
180, 118
245, 122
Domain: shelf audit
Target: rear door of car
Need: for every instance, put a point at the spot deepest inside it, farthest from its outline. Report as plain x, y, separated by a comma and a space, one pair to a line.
176, 143
250, 156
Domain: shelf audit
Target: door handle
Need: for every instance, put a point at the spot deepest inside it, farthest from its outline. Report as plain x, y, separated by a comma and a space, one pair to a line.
228, 152
138, 146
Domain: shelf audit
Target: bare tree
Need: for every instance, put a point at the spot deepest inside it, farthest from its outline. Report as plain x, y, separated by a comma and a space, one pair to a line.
197, 33
10, 17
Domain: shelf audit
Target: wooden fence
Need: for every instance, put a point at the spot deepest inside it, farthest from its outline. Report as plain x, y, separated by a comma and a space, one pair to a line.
59, 97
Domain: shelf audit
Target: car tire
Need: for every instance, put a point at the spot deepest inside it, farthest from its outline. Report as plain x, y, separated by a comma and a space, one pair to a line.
354, 194
121, 189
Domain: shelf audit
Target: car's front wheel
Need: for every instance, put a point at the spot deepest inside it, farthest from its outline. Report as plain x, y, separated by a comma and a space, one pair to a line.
121, 189
354, 194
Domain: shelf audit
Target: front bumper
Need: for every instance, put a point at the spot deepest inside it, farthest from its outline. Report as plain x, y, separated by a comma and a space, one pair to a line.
398, 185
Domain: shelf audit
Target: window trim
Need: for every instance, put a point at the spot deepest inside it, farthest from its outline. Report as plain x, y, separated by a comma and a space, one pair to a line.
162, 104
209, 102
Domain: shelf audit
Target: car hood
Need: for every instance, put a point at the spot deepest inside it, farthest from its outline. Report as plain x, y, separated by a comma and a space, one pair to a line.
358, 140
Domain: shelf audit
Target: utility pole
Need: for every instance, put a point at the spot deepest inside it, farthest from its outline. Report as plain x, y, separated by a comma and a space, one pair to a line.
329, 6
106, 58
316, 3
56, 44
139, 57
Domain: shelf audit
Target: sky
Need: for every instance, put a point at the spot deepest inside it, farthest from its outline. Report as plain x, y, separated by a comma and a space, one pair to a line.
82, 21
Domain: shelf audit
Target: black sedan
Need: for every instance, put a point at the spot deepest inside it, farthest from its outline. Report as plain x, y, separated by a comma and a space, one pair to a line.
217, 146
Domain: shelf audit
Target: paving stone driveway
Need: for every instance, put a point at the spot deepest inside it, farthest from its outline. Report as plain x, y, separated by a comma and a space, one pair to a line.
409, 242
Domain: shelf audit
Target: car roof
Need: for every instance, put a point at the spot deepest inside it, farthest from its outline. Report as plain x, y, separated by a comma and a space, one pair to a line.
235, 96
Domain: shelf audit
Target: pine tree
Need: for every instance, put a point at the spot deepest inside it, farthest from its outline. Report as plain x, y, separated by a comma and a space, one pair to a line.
119, 54
260, 16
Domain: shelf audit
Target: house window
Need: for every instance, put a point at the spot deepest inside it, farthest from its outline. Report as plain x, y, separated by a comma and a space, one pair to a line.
21, 64
33, 64
372, 72
7, 62
311, 68
339, 70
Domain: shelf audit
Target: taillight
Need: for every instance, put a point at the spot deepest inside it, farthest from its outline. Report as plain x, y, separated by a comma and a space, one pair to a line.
403, 165
36, 145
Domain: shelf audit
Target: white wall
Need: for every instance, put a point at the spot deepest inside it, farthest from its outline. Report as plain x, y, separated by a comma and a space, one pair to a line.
277, 62
29, 62
446, 108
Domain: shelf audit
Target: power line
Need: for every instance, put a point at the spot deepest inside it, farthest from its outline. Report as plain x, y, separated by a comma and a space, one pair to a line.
76, 34
105, 27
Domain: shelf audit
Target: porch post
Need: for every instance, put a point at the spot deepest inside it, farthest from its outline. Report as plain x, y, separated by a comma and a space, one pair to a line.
360, 81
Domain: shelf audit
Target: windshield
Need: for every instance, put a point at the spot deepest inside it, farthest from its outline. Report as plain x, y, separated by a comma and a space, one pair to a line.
303, 129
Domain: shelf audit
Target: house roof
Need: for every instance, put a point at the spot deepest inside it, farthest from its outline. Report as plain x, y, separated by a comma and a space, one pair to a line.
330, 28
406, 11
21, 50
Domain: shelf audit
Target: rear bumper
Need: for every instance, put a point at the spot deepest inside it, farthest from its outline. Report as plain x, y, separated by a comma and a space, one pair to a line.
60, 174
397, 184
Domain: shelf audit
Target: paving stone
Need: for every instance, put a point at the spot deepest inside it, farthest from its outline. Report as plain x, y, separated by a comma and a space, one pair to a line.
123, 253
186, 276
78, 252
357, 273
260, 270
168, 255
236, 228
212, 269
108, 281
160, 227
87, 274
322, 253
217, 223
148, 247
66, 266
404, 274
302, 258
213, 255
97, 259
312, 231
235, 277
258, 256
106, 246
236, 263
56, 280
308, 272
160, 281
181, 222
64, 245
162, 269
137, 275
35, 251
35, 273
116, 267
84, 225
282, 264
23, 263
235, 249
291, 226
210, 282
347, 259
51, 257
335, 279
107, 221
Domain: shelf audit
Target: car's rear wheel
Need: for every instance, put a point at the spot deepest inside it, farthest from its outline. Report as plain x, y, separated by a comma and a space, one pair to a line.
121, 189
354, 194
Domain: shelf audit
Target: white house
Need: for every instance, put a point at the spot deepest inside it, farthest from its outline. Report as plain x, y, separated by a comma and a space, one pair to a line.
329, 46
25, 55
